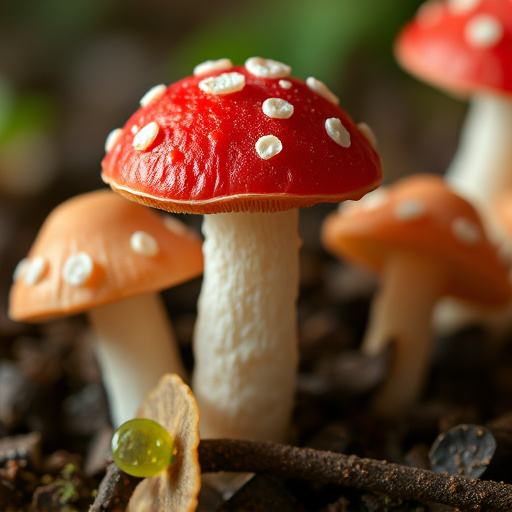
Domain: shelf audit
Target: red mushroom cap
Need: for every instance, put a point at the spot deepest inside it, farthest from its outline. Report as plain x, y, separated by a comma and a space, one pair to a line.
460, 45
240, 138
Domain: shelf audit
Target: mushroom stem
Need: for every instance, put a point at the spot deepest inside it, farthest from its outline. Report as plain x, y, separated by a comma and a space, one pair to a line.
400, 316
480, 169
135, 346
246, 332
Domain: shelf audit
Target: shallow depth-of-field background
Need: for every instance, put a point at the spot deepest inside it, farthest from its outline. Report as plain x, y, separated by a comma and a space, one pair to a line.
70, 72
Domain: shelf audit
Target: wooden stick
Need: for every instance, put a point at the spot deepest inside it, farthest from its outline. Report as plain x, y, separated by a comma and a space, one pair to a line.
393, 480
286, 461
115, 490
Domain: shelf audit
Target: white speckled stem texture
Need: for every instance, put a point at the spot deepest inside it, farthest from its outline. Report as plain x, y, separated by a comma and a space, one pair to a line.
481, 168
401, 314
245, 342
135, 346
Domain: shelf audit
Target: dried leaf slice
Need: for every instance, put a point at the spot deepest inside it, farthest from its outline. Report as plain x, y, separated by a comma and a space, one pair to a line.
172, 404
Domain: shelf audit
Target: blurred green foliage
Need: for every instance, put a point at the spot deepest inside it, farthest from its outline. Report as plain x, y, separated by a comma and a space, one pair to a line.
317, 37
6, 102
56, 71
30, 112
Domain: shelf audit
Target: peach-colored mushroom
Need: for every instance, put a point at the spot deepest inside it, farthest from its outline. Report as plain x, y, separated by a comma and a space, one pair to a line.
465, 48
426, 242
101, 254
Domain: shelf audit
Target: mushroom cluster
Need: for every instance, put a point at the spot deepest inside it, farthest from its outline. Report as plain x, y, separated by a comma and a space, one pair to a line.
465, 47
249, 144
101, 254
426, 242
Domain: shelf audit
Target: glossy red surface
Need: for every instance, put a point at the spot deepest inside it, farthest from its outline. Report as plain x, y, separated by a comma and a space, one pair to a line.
205, 153
436, 47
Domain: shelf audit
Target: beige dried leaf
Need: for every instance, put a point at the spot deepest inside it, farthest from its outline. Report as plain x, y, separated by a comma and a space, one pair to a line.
172, 404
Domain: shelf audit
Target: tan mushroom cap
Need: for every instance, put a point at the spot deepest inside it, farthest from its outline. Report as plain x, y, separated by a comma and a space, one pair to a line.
420, 213
98, 248
172, 404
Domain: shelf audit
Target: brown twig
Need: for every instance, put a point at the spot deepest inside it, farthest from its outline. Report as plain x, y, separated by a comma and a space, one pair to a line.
392, 480
114, 491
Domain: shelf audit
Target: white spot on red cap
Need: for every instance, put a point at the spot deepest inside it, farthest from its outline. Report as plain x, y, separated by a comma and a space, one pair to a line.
321, 89
338, 133
225, 83
268, 146
212, 65
145, 136
411, 209
483, 31
35, 271
143, 243
462, 6
368, 134
267, 68
134, 129
466, 231
285, 84
153, 94
277, 108
112, 139
78, 269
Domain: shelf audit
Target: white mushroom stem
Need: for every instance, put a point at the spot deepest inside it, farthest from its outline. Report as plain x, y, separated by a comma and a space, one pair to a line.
135, 346
481, 168
401, 316
245, 344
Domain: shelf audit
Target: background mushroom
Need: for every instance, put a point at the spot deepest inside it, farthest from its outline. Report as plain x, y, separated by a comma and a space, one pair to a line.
425, 242
497, 323
100, 254
251, 145
465, 47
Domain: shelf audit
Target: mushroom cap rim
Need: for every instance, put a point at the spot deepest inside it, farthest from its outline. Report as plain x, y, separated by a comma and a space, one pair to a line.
238, 203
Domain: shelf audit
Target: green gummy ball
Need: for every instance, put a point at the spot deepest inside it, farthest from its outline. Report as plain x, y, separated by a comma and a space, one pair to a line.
142, 447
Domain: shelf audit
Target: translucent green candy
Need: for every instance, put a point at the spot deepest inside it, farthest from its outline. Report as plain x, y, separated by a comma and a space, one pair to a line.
143, 448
